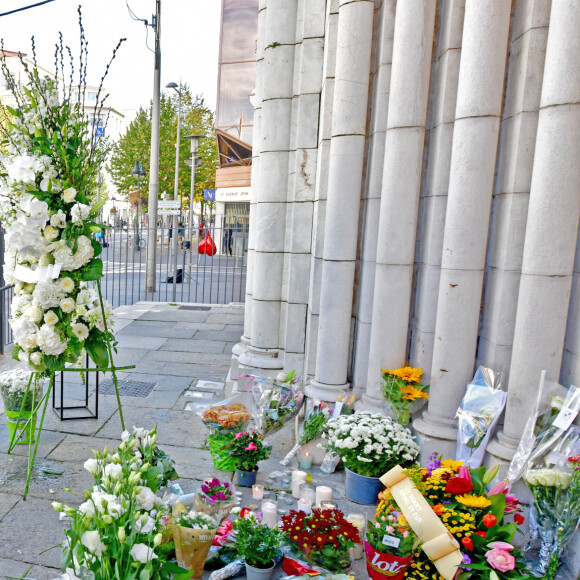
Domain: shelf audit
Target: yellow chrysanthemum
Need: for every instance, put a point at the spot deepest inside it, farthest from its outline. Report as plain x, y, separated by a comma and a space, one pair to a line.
451, 464
473, 501
407, 374
410, 393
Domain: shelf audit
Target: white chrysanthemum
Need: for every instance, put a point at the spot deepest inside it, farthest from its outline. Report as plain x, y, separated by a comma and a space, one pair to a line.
50, 341
67, 305
58, 220
79, 212
80, 330
63, 254
67, 284
69, 194
50, 318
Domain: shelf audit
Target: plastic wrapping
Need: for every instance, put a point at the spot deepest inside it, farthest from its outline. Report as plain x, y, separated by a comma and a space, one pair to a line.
277, 401
233, 569
478, 415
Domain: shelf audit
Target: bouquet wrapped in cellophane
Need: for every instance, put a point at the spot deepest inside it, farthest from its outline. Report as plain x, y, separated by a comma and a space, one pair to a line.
548, 458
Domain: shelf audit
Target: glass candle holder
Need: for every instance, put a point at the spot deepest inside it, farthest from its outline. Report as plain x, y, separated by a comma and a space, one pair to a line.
258, 491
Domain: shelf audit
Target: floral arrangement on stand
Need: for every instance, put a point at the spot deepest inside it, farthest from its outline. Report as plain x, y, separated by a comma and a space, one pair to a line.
402, 388
49, 211
323, 537
115, 533
247, 449
475, 518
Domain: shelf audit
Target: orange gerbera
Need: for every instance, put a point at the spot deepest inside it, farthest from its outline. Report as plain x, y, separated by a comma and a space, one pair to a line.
410, 393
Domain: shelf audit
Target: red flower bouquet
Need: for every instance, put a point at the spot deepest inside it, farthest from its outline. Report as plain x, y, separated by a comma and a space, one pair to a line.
324, 537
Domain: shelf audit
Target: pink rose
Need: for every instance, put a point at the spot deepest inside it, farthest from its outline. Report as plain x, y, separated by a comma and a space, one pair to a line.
245, 432
390, 529
251, 447
500, 560
501, 546
238, 435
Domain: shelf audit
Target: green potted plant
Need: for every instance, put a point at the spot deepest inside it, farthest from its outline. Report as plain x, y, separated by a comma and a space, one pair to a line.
258, 545
247, 449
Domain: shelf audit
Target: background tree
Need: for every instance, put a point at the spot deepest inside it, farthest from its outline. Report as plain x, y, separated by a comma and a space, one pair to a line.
196, 118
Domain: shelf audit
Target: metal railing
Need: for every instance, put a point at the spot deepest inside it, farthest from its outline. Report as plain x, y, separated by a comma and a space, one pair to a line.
202, 278
6, 294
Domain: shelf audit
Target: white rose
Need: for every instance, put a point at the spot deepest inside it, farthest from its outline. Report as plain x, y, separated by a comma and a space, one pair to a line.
67, 284
67, 305
50, 318
87, 508
69, 194
29, 342
142, 553
79, 212
50, 233
80, 330
92, 466
563, 479
81, 310
36, 358
92, 541
145, 499
58, 220
34, 314
144, 524
113, 470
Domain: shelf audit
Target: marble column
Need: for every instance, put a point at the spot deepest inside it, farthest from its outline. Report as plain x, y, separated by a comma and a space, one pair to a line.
277, 71
552, 228
349, 119
529, 34
385, 31
473, 160
434, 201
401, 187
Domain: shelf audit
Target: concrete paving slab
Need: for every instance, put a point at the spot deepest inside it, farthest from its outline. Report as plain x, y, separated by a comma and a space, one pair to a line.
198, 358
192, 371
226, 334
7, 502
220, 317
40, 512
166, 329
48, 441
77, 448
199, 326
217, 386
194, 345
142, 342
155, 400
173, 427
163, 382
176, 315
10, 569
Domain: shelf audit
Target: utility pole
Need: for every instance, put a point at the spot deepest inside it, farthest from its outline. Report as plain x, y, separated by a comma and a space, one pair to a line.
154, 161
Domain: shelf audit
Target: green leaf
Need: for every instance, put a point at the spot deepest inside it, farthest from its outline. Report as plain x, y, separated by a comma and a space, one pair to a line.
497, 505
97, 349
92, 271
96, 246
97, 208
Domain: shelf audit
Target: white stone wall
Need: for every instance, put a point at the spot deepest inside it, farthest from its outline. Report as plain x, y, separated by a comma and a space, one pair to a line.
417, 198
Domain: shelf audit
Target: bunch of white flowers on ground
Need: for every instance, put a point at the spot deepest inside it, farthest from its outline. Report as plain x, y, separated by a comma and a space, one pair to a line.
197, 521
48, 184
118, 531
13, 386
370, 444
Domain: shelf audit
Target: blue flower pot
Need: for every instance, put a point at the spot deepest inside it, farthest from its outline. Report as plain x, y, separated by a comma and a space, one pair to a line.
246, 478
361, 489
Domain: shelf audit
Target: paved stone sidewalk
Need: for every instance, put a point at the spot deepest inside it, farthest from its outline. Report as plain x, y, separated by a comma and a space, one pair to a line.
183, 352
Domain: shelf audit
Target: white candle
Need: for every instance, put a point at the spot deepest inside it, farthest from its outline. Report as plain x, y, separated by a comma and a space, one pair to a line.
358, 520
309, 493
323, 493
304, 505
258, 491
306, 461
270, 513
298, 478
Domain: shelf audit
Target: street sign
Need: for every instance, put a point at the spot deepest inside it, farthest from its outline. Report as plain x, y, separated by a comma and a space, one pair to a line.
169, 204
100, 132
209, 194
169, 212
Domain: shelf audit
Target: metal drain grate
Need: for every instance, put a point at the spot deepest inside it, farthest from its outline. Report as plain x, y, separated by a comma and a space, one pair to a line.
194, 308
127, 388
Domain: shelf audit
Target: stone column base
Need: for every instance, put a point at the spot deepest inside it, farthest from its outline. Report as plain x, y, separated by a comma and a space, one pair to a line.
254, 361
324, 392
368, 403
435, 435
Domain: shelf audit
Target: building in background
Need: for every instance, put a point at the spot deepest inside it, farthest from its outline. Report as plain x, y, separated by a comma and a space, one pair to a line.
235, 117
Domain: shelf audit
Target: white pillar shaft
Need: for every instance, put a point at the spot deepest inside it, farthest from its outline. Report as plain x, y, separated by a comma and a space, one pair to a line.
479, 101
412, 47
276, 73
355, 24
442, 118
370, 227
553, 216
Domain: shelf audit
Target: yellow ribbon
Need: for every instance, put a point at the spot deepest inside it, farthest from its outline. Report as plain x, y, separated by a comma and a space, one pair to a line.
438, 544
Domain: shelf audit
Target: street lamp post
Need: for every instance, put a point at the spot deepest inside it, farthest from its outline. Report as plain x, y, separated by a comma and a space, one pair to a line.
139, 172
193, 163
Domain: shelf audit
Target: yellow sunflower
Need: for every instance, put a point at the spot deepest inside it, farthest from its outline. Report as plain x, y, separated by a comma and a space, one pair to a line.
473, 501
407, 374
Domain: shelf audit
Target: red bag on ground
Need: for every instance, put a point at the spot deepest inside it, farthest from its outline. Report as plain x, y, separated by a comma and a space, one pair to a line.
207, 246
